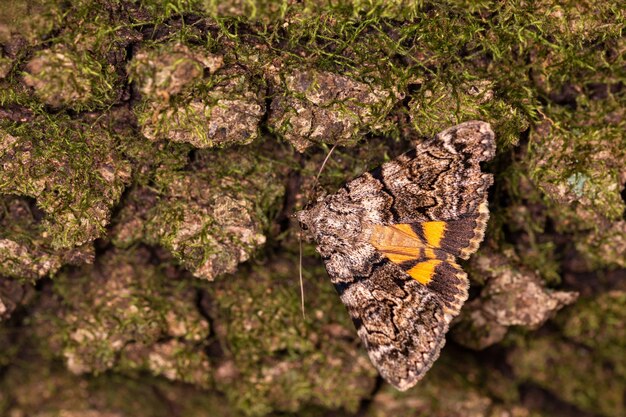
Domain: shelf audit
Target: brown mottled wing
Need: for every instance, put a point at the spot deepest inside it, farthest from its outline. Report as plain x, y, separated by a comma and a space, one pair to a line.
400, 322
441, 178
389, 240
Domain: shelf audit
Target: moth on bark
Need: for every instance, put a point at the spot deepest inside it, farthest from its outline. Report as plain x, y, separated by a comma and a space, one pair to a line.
390, 239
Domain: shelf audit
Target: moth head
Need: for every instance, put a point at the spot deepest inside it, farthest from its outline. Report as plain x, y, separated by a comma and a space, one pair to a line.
323, 222
306, 222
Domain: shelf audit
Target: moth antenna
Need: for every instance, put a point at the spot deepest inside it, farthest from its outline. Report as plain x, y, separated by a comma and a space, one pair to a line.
317, 177
323, 165
300, 273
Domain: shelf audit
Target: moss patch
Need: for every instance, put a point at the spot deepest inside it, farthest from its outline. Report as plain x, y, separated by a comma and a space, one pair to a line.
72, 169
211, 216
127, 315
276, 359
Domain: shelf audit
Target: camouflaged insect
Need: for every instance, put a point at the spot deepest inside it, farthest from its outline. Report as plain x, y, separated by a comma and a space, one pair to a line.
390, 239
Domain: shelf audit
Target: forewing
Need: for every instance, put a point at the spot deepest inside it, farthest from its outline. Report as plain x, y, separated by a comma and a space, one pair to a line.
401, 323
441, 178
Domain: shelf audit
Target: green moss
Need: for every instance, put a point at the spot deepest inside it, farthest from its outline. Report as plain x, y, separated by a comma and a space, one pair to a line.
149, 159
26, 252
313, 106
28, 19
183, 104
571, 373
605, 247
39, 388
278, 360
126, 315
81, 66
73, 170
161, 10
62, 77
599, 324
212, 215
189, 97
267, 11
5, 65
578, 160
436, 106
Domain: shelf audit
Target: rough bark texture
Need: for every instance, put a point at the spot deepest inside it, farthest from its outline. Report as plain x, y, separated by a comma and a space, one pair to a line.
153, 153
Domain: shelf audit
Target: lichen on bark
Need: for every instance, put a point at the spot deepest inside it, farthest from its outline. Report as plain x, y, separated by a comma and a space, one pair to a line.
125, 314
211, 216
182, 104
512, 296
65, 78
313, 106
73, 171
276, 359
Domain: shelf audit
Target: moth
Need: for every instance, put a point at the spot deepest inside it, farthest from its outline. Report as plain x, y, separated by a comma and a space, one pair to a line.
390, 240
